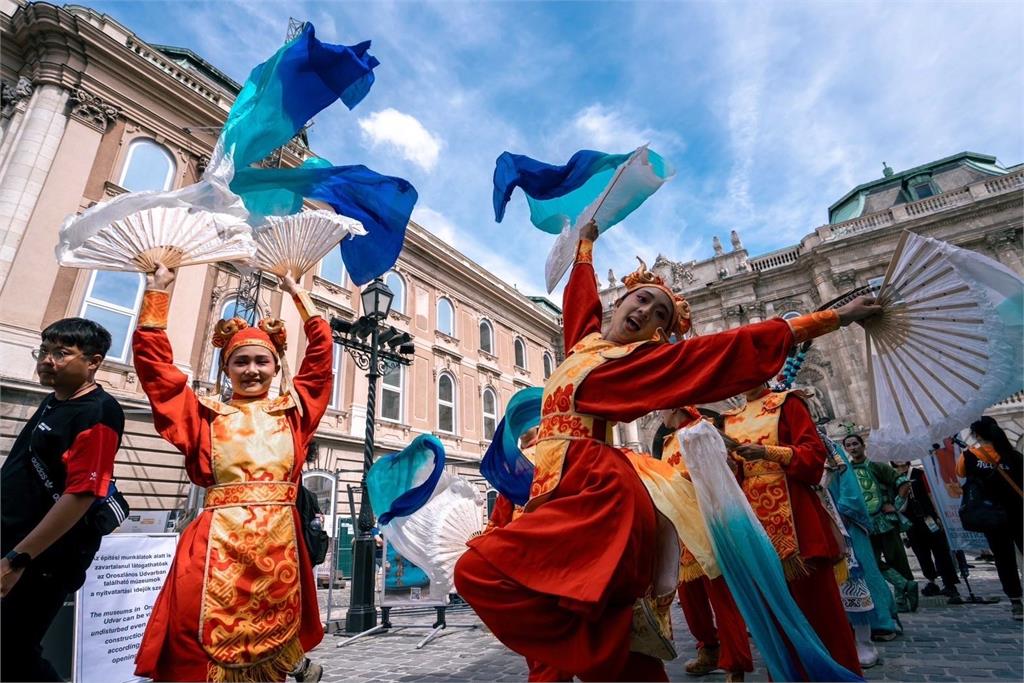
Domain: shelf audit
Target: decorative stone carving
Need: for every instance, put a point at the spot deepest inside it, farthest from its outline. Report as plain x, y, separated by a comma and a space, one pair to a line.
11, 96
681, 275
736, 244
92, 110
1002, 239
844, 281
201, 163
611, 277
757, 308
717, 244
723, 273
734, 311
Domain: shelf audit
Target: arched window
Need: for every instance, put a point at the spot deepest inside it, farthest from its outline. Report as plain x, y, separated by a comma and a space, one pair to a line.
323, 487
148, 166
391, 389
445, 317
490, 401
549, 365
396, 284
486, 337
332, 268
520, 353
112, 300
446, 403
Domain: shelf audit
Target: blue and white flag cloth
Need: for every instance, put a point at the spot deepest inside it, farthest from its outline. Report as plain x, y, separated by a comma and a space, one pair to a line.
504, 465
593, 185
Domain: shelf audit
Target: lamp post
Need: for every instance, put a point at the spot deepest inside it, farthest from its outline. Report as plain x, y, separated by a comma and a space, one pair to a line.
386, 349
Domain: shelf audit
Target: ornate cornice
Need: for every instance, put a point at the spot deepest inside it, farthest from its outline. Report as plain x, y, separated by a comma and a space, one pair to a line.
1001, 239
845, 280
91, 110
734, 311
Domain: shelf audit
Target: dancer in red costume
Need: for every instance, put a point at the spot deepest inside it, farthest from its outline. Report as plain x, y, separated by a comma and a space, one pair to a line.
783, 458
559, 584
239, 603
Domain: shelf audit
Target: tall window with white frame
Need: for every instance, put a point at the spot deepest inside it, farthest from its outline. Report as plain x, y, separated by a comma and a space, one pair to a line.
445, 317
112, 300
486, 337
396, 284
549, 365
332, 268
490, 405
336, 365
446, 403
520, 347
226, 311
391, 387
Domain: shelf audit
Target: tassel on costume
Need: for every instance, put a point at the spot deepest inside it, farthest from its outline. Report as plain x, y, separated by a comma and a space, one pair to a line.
275, 668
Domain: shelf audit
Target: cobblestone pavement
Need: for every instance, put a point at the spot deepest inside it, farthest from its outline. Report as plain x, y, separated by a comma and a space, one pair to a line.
941, 643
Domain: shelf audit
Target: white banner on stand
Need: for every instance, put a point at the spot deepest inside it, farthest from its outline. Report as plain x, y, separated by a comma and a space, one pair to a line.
940, 470
113, 605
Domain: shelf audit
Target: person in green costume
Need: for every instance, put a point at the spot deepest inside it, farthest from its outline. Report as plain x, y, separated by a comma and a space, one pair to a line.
881, 484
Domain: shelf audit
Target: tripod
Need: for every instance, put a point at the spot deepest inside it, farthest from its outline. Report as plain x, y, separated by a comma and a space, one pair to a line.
965, 571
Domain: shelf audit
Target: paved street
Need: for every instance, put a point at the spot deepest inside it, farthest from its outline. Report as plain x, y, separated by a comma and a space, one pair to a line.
941, 643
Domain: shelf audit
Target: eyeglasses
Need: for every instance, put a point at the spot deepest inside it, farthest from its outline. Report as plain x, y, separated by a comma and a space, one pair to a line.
59, 356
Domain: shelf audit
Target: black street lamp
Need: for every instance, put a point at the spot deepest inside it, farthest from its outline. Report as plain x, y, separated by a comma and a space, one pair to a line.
386, 349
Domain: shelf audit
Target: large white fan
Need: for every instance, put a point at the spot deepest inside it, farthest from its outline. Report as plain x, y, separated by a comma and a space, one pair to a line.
291, 245
434, 537
200, 223
946, 346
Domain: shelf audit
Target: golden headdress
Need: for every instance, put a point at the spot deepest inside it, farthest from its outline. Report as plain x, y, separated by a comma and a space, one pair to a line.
641, 277
268, 333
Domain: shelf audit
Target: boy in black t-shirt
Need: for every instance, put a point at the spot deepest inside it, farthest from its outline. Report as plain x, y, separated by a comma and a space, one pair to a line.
61, 462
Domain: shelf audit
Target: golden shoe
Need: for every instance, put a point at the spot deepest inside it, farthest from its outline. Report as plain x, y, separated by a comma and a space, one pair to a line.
652, 628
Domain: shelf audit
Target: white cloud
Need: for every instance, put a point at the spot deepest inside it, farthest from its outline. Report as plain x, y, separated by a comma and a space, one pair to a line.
611, 130
437, 223
405, 133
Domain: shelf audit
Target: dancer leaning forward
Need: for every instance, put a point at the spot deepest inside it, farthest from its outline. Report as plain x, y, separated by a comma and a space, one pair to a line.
558, 585
239, 603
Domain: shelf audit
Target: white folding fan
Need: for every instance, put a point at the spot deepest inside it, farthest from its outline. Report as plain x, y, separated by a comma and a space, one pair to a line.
199, 223
946, 346
291, 245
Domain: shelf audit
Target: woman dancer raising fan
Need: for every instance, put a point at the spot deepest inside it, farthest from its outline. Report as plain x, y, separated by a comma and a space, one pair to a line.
239, 603
558, 585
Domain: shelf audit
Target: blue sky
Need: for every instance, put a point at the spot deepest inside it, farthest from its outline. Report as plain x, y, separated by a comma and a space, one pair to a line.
769, 111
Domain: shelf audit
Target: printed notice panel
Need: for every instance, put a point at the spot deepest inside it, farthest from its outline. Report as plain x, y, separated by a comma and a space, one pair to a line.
113, 606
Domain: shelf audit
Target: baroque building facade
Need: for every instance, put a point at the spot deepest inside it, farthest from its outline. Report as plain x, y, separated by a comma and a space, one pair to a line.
966, 199
91, 111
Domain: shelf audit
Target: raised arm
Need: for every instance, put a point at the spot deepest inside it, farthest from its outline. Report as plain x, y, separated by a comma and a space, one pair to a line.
801, 451
314, 380
581, 306
176, 412
698, 370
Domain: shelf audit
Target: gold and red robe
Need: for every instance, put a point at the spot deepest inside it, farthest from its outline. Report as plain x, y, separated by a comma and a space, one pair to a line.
239, 602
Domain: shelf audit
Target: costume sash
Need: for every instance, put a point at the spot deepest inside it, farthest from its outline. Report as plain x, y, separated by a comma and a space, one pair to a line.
764, 481
560, 423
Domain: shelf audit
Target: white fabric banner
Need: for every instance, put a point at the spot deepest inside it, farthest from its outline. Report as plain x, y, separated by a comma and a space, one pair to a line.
940, 471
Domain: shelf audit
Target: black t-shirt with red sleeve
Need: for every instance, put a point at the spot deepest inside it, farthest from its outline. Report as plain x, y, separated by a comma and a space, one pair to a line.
75, 442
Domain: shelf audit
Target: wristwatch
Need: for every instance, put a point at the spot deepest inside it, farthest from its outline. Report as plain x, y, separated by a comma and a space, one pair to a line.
18, 560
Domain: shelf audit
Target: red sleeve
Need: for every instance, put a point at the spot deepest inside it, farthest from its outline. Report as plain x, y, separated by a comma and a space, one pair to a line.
90, 460
797, 431
689, 372
313, 381
501, 515
581, 306
176, 412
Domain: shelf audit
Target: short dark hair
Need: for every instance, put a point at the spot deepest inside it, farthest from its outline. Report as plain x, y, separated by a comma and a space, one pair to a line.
854, 436
90, 337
